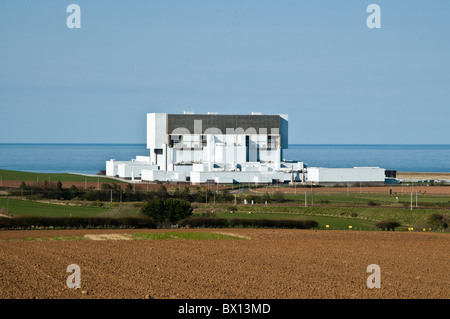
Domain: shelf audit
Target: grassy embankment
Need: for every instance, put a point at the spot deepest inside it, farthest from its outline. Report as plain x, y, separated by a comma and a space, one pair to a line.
21, 207
7, 175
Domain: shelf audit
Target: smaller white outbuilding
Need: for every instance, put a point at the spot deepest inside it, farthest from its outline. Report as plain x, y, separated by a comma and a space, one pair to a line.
322, 175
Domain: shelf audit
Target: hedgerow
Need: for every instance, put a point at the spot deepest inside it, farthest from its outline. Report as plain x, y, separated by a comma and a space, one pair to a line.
28, 222
206, 222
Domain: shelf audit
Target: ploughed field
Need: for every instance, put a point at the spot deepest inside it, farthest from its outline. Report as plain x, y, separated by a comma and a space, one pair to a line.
255, 263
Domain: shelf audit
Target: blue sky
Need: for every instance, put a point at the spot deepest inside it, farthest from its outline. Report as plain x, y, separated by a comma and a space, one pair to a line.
339, 81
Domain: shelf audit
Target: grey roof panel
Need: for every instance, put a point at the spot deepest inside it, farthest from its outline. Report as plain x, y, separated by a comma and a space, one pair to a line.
222, 122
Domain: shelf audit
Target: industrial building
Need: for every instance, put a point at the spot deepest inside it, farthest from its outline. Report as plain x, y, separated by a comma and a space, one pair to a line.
219, 148
366, 175
200, 148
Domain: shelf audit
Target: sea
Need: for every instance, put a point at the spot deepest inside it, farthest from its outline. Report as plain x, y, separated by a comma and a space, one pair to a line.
91, 158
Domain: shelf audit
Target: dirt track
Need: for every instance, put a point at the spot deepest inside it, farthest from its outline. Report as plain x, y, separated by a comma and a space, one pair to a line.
272, 264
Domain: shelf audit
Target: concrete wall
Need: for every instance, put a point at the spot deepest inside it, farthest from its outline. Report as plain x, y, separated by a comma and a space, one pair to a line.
284, 130
143, 159
239, 177
111, 167
153, 175
185, 169
132, 169
156, 130
156, 138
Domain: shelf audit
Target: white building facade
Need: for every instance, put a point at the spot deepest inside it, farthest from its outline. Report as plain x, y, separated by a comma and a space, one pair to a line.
213, 148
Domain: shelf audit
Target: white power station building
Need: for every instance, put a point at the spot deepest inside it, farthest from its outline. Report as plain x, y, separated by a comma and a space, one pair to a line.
204, 148
213, 148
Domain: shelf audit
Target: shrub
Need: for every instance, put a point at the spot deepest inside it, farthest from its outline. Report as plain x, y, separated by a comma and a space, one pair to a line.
177, 209
247, 223
272, 223
278, 197
354, 215
255, 198
226, 196
204, 222
154, 208
97, 203
106, 186
208, 214
199, 197
388, 224
231, 208
372, 203
162, 192
439, 221
165, 210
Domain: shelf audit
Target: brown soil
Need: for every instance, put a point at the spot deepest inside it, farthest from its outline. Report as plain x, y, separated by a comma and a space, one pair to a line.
275, 264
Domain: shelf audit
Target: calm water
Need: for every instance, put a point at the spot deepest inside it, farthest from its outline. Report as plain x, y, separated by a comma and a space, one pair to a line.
91, 158
402, 158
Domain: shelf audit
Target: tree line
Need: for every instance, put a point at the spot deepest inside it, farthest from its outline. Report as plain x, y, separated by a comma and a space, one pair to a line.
114, 192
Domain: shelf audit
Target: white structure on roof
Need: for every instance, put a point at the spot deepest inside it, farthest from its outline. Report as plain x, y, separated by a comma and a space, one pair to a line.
213, 147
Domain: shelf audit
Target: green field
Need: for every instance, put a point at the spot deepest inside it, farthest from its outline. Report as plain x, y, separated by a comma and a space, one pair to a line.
7, 175
359, 217
19, 207
332, 222
363, 199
